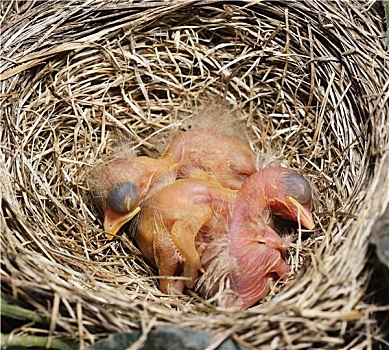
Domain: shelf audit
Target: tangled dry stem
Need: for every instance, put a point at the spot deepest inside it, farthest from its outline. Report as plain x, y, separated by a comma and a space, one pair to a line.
310, 82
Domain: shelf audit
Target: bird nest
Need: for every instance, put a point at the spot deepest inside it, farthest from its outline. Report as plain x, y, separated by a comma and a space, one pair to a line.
308, 80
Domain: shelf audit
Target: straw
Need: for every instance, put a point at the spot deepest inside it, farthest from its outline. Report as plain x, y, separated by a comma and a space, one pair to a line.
310, 82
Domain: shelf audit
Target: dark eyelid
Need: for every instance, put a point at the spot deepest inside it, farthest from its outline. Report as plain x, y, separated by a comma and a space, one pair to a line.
123, 197
298, 187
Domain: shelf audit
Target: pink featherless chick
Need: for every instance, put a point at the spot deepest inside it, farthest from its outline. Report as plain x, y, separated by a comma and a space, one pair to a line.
252, 248
214, 143
228, 159
170, 221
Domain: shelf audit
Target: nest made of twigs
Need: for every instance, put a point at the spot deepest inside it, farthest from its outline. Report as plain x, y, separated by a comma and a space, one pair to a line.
310, 81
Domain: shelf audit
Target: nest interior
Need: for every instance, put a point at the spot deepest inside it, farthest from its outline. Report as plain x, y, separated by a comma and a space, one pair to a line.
309, 80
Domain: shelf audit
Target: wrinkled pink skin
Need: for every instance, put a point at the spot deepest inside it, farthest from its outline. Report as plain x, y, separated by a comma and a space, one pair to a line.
255, 246
170, 222
229, 159
178, 212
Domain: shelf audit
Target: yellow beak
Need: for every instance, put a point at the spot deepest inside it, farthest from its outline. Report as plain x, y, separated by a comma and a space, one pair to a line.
113, 221
303, 213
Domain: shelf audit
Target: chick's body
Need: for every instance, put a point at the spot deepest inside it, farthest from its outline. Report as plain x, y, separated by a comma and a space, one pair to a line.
227, 158
171, 220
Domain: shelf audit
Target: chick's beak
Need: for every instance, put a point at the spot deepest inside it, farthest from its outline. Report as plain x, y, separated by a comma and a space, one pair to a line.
301, 212
113, 221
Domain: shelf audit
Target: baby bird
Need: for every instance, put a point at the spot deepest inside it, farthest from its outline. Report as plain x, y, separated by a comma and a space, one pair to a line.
229, 159
123, 183
256, 257
169, 224
199, 225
